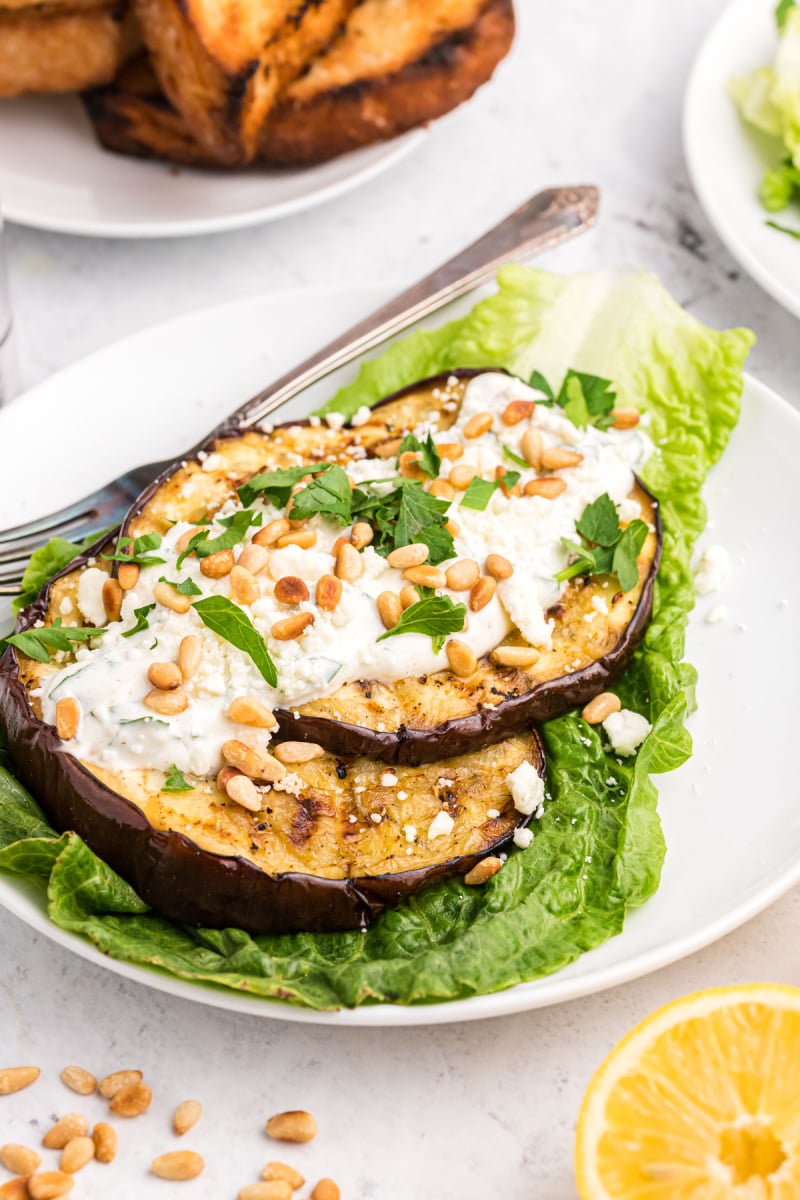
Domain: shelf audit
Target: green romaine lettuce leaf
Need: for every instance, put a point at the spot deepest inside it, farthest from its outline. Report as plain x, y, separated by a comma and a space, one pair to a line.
598, 849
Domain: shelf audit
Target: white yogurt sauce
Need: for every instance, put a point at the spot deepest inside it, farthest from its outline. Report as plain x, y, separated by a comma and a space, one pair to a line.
109, 682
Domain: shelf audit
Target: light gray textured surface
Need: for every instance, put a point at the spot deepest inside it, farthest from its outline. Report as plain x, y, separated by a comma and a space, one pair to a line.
592, 93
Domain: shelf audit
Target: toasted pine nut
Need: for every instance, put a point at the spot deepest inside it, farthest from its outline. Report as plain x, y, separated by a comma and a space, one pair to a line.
76, 1154
112, 599
116, 1081
68, 716
246, 710
390, 609
408, 596
178, 1164
600, 707
326, 1189
349, 565
70, 1126
15, 1189
291, 590
182, 544
408, 465
49, 1185
186, 1115
518, 410
412, 555
483, 871
270, 533
557, 458
515, 656
531, 446
329, 592
442, 490
498, 566
167, 704
132, 1101
104, 1137
453, 528
165, 594
244, 586
273, 1189
625, 418
251, 762
217, 566
425, 576
253, 558
337, 545
389, 448
128, 576
450, 450
224, 775
461, 658
292, 627
500, 475
298, 752
461, 477
165, 676
282, 1171
361, 535
295, 1126
478, 425
482, 592
14, 1079
244, 793
304, 538
190, 653
19, 1160
78, 1080
461, 575
549, 487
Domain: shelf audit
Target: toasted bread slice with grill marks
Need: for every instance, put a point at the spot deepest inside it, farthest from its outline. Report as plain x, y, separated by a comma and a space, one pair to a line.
223, 63
63, 52
391, 93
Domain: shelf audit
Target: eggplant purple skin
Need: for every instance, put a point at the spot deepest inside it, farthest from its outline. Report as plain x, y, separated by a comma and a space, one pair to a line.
166, 869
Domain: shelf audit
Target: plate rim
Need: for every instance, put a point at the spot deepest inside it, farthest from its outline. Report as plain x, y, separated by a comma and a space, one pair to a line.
383, 156
16, 897
713, 208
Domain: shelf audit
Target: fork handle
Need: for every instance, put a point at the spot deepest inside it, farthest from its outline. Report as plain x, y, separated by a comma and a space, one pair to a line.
545, 220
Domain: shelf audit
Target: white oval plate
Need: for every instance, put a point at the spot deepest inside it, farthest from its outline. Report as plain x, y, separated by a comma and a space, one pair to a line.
54, 175
731, 816
727, 160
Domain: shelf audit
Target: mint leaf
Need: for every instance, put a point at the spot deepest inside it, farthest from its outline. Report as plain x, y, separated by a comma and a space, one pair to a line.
277, 485
573, 402
436, 616
626, 552
142, 622
439, 542
135, 550
587, 400
599, 522
186, 587
36, 642
175, 781
538, 381
516, 458
228, 621
417, 512
480, 491
794, 233
329, 494
235, 527
429, 459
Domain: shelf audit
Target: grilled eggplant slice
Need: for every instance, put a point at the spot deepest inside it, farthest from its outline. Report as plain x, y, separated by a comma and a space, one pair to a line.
418, 720
63, 48
342, 840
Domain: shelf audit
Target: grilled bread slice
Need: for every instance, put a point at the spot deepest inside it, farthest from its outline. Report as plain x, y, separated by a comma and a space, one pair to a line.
63, 51
437, 61
223, 63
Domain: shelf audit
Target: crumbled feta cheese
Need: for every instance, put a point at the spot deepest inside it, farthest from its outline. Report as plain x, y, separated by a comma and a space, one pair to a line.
376, 817
314, 421
402, 795
410, 833
361, 416
626, 731
290, 783
65, 607
441, 825
388, 779
522, 838
600, 604
526, 787
334, 420
712, 570
493, 814
717, 614
90, 596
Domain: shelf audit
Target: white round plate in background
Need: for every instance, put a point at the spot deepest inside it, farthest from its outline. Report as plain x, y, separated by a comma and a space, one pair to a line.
727, 159
54, 175
731, 817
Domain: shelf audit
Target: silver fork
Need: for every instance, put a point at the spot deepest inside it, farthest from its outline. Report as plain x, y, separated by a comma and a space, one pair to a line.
547, 219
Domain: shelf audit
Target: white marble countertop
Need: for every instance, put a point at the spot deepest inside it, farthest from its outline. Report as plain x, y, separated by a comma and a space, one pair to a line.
481, 1109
